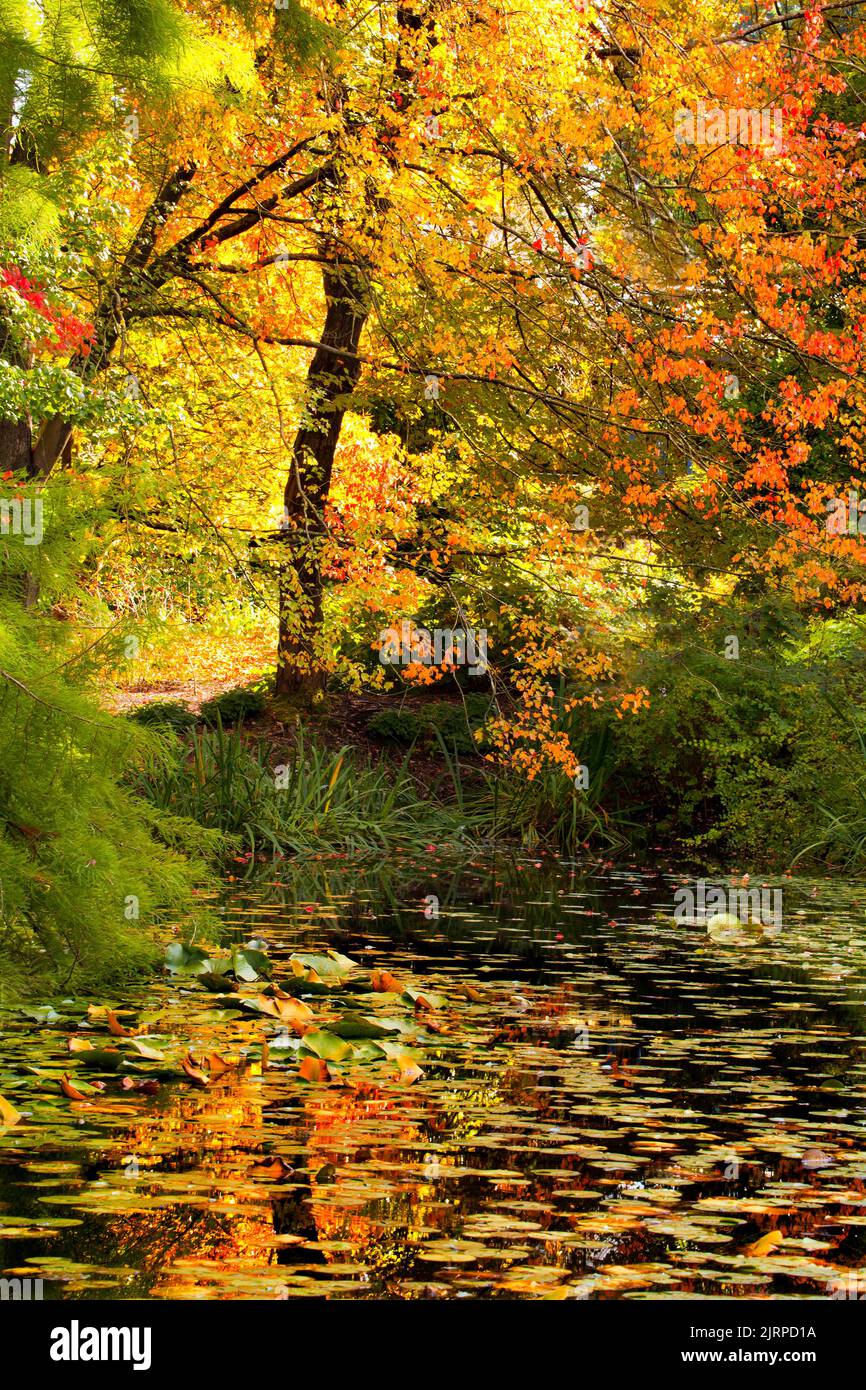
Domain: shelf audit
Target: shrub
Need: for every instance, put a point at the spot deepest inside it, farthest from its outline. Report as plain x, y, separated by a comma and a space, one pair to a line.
452, 722
233, 706
169, 714
399, 726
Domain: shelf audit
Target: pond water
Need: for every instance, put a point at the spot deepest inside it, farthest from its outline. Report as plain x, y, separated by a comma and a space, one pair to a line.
588, 1100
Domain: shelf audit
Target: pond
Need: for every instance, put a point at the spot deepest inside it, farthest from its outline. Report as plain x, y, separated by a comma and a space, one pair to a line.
563, 1092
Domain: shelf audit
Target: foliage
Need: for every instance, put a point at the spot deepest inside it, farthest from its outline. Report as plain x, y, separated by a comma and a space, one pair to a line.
399, 725
87, 870
313, 798
233, 706
461, 725
169, 714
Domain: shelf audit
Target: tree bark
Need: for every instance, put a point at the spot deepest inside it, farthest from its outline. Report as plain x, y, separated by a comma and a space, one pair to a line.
331, 379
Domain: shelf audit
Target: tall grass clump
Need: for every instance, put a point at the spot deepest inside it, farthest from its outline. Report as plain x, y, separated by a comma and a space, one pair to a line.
309, 798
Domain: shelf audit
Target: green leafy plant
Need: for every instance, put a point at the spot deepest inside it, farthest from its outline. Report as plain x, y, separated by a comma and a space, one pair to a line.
162, 714
233, 706
399, 726
307, 798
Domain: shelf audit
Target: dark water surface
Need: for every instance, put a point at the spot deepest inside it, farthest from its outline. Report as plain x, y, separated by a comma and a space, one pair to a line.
612, 1105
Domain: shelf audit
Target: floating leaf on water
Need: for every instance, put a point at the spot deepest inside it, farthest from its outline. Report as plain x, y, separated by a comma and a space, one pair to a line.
116, 1027
216, 983
361, 1026
765, 1244
182, 959
327, 1045
194, 1073
8, 1114
382, 982
43, 1013
816, 1158
274, 1169
248, 964
431, 1000
330, 966
314, 1069
101, 1058
69, 1090
144, 1050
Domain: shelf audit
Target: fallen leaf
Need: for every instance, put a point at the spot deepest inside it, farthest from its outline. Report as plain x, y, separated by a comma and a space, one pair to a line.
194, 1073
385, 983
144, 1051
314, 1069
69, 1090
409, 1070
273, 1168
216, 1064
8, 1114
765, 1244
116, 1027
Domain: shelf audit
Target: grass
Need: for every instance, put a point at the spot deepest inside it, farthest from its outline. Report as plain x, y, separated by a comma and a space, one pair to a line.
316, 799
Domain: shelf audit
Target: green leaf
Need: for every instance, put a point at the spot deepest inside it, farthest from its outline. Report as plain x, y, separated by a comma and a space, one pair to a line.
436, 1001
327, 1045
188, 960
248, 964
333, 964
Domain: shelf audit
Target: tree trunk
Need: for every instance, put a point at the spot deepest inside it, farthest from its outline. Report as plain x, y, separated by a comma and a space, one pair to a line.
331, 378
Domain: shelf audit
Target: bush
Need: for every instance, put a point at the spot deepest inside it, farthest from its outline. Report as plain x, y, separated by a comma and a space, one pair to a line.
456, 723
163, 714
233, 706
452, 722
397, 725
759, 758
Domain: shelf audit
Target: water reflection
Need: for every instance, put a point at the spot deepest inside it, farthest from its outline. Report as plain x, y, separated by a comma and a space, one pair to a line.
616, 1106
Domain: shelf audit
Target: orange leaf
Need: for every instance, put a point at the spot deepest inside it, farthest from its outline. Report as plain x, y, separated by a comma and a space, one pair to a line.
295, 1013
117, 1028
68, 1089
315, 1069
384, 983
194, 1073
765, 1244
274, 1168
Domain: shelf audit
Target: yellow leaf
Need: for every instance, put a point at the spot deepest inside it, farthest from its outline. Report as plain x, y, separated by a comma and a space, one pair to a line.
8, 1114
765, 1245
